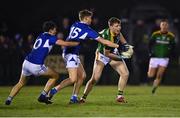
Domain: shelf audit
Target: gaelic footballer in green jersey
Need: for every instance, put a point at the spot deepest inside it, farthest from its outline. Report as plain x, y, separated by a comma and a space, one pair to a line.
106, 55
161, 46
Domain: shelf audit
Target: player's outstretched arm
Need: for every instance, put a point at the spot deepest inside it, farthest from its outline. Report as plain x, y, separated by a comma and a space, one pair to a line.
66, 43
112, 55
107, 43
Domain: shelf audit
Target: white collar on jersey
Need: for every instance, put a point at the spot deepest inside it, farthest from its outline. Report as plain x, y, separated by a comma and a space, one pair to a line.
83, 22
45, 33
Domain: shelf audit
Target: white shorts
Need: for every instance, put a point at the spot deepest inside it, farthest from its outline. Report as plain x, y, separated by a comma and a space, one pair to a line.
71, 60
29, 68
155, 62
100, 57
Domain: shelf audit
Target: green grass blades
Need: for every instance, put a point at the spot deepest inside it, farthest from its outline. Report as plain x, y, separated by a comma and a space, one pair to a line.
100, 103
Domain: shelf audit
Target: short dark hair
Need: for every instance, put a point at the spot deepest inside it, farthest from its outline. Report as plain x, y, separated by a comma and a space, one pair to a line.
114, 20
84, 13
165, 20
47, 25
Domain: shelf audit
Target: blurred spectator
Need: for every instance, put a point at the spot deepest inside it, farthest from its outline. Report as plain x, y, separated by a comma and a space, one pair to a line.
3, 28
156, 25
16, 54
65, 27
140, 42
96, 24
62, 34
28, 44
4, 60
18, 40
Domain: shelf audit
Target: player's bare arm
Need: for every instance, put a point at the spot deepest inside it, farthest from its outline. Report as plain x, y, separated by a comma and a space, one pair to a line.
66, 43
112, 55
107, 43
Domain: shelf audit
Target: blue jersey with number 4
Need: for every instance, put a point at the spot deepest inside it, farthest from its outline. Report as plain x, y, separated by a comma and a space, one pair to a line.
41, 48
79, 31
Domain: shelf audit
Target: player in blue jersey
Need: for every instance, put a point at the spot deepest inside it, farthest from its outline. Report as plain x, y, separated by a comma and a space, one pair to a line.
34, 62
79, 31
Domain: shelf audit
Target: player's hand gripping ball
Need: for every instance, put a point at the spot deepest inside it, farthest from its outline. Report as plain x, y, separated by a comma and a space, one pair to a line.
128, 53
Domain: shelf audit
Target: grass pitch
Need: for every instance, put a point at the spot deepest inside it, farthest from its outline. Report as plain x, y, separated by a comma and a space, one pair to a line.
100, 103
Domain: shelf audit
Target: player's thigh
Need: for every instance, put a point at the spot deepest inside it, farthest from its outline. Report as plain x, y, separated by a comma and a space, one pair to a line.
163, 63
153, 65
81, 72
160, 72
120, 67
97, 69
152, 71
23, 79
49, 72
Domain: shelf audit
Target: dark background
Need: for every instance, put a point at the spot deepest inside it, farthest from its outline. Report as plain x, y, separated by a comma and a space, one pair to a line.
24, 17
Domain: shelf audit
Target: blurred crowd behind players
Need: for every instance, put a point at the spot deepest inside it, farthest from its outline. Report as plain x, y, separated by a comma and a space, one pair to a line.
13, 50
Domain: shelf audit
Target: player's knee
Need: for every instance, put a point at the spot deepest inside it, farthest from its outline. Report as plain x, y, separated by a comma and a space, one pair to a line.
150, 75
93, 81
96, 77
159, 76
83, 76
125, 74
21, 84
73, 80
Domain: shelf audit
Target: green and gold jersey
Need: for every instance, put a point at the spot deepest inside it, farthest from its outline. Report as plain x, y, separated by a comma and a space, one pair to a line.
106, 34
161, 44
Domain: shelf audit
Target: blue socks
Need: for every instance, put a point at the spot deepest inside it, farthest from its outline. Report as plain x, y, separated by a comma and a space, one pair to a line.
53, 91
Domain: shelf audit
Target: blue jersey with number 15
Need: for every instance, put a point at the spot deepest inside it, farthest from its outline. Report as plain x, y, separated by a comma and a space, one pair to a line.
41, 48
79, 31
